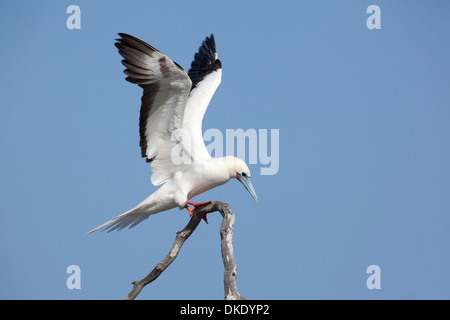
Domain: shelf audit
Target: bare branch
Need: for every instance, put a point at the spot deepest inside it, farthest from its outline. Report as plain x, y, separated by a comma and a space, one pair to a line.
226, 233
230, 274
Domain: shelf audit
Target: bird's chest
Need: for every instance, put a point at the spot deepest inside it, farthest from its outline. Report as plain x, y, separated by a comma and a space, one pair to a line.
201, 180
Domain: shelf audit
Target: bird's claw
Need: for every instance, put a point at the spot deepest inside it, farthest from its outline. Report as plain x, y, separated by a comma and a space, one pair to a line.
196, 205
191, 211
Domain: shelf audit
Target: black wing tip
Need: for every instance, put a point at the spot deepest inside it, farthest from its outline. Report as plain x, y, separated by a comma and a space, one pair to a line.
211, 41
209, 44
132, 41
205, 61
124, 37
128, 40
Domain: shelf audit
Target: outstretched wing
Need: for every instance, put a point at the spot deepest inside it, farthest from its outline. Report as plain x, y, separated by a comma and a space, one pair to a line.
206, 75
173, 103
166, 88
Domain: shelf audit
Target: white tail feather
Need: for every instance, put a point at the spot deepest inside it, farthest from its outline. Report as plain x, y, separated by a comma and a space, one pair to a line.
161, 200
131, 217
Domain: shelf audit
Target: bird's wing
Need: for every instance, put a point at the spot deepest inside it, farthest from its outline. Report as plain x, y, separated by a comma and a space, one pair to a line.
166, 88
206, 75
173, 103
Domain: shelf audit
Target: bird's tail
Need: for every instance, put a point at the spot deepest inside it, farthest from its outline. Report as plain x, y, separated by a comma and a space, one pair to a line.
130, 218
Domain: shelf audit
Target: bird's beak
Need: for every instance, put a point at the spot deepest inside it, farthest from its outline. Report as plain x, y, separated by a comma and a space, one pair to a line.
249, 186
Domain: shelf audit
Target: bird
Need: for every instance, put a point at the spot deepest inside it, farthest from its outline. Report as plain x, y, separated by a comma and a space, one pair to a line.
173, 105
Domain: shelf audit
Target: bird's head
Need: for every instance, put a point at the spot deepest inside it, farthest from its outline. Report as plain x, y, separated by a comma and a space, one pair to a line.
241, 172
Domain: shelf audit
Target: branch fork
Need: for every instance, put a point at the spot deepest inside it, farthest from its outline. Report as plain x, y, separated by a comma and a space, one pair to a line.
226, 234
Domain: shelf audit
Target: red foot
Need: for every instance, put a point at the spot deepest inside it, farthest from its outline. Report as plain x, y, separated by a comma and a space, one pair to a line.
195, 204
191, 211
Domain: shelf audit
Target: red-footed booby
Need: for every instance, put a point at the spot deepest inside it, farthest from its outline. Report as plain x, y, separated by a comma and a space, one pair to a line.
170, 124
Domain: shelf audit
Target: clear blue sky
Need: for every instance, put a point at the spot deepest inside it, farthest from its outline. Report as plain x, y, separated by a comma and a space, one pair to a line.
364, 149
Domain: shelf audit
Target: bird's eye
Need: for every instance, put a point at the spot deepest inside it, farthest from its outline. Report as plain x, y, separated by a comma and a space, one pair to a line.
244, 175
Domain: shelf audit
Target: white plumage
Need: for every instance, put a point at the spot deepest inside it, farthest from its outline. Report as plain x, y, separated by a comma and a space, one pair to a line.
170, 127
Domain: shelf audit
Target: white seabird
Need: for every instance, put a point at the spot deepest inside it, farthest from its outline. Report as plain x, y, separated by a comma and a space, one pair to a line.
170, 127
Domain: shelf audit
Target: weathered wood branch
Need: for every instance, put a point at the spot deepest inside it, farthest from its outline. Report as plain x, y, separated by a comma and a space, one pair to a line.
226, 233
230, 274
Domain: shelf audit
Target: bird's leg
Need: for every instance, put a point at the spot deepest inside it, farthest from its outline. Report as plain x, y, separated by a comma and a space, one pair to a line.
191, 211
195, 204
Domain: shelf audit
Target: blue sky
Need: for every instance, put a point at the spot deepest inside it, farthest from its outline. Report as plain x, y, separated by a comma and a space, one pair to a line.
364, 173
